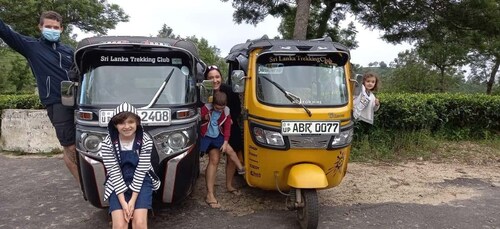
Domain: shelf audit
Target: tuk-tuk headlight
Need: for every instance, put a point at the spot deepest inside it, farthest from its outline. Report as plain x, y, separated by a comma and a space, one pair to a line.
268, 137
344, 138
175, 141
91, 142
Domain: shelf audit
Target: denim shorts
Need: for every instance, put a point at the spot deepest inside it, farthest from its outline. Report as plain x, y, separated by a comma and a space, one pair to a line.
209, 143
144, 199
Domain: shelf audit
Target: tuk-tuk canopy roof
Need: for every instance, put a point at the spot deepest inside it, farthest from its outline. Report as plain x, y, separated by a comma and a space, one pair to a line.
323, 45
104, 42
137, 40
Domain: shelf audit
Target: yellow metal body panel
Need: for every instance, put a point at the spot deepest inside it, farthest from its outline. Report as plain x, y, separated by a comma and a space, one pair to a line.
307, 176
266, 167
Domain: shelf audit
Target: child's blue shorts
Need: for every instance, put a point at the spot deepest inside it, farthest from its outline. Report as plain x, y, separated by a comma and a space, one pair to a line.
144, 199
209, 143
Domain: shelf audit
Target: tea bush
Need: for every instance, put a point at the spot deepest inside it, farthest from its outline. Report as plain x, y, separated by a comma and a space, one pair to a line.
20, 102
453, 116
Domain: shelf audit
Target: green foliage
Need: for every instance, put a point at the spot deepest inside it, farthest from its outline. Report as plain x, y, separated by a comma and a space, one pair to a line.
20, 102
23, 16
167, 32
452, 116
380, 144
15, 75
324, 19
445, 30
208, 54
88, 15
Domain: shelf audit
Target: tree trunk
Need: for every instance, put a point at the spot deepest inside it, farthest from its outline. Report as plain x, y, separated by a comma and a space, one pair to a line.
324, 18
442, 80
301, 19
491, 81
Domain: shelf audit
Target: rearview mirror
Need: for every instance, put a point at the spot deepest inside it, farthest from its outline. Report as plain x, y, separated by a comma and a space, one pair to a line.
238, 81
206, 91
68, 91
357, 84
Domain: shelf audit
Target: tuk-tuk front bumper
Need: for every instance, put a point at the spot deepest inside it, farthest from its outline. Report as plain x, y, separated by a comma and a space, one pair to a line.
177, 174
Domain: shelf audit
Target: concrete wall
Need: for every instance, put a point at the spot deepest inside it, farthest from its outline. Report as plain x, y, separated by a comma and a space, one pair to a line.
28, 131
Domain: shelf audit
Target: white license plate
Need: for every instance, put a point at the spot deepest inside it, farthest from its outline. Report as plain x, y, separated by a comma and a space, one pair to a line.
149, 117
309, 128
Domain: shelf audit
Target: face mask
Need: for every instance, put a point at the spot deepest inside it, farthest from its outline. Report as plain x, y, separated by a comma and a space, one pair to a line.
51, 34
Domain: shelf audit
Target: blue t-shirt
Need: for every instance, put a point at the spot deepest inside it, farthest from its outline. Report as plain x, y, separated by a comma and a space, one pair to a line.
213, 126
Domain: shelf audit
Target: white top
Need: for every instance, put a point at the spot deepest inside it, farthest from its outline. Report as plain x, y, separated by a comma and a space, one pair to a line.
126, 145
364, 106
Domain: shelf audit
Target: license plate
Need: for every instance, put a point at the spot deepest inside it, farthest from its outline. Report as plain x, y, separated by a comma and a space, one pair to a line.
149, 117
309, 128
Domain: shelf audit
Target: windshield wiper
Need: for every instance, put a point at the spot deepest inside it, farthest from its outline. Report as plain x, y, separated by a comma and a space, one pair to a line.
160, 90
293, 98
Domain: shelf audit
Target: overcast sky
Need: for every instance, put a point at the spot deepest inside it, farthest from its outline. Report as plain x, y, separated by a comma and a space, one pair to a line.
213, 20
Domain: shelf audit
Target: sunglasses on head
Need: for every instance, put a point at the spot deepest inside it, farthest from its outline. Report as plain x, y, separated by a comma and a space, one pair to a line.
212, 67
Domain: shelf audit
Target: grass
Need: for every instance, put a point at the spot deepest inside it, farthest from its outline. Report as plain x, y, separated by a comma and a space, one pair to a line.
52, 153
422, 145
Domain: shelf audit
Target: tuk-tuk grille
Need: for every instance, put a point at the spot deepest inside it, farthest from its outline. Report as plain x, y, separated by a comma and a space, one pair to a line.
320, 142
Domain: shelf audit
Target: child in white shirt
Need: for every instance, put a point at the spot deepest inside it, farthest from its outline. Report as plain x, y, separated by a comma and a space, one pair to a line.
365, 104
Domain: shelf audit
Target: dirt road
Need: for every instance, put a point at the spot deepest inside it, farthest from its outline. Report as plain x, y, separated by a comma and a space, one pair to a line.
38, 192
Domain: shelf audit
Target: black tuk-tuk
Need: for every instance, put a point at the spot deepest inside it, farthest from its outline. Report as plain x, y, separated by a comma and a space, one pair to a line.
156, 75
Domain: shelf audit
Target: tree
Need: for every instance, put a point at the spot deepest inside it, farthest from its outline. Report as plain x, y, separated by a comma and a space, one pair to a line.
166, 32
208, 54
473, 25
97, 16
324, 18
446, 57
411, 74
301, 19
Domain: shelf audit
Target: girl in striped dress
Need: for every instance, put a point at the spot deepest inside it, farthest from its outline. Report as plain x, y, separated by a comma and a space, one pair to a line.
130, 179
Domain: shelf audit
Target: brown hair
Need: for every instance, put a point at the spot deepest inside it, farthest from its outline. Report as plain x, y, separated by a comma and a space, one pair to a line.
122, 116
370, 75
50, 15
220, 98
212, 68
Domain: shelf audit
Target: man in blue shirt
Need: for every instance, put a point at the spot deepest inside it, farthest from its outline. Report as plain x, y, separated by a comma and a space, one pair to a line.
50, 62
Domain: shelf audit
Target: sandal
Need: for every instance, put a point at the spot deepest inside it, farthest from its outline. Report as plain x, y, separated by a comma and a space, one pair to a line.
213, 204
235, 192
241, 171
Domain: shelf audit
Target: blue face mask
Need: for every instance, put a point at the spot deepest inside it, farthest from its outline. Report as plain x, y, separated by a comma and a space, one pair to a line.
51, 34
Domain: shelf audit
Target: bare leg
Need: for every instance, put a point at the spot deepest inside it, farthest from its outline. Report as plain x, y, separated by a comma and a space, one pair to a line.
230, 170
118, 220
234, 158
210, 175
140, 219
70, 160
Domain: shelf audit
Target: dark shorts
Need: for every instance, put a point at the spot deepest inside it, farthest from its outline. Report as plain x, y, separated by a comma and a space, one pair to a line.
236, 140
209, 143
144, 199
63, 120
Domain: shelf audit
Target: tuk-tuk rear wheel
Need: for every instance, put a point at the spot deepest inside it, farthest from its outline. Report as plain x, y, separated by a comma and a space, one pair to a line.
308, 215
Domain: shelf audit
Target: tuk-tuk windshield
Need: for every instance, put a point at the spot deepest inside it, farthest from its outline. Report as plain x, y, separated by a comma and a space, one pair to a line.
109, 84
316, 80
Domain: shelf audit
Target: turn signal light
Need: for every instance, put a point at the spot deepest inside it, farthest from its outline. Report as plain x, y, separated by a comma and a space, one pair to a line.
184, 114
85, 115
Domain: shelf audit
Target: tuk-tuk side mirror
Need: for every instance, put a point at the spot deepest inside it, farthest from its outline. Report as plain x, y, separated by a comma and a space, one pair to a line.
357, 82
206, 91
73, 75
68, 91
238, 81
200, 71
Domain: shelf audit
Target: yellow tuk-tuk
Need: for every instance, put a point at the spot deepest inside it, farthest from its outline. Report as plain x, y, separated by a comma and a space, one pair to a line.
297, 117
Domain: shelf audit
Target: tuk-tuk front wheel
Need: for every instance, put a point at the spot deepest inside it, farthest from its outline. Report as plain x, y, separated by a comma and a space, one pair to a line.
308, 212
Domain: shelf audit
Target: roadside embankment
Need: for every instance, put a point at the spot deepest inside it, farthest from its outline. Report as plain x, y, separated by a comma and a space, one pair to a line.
28, 131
